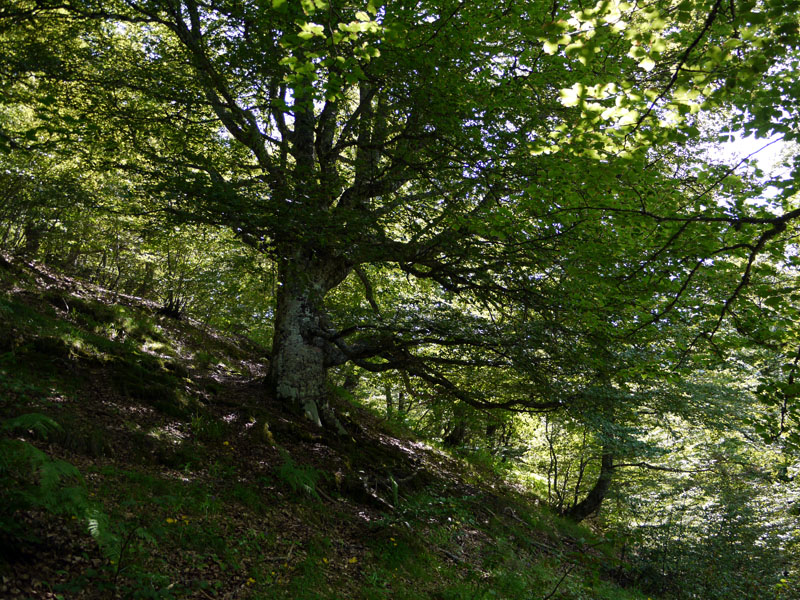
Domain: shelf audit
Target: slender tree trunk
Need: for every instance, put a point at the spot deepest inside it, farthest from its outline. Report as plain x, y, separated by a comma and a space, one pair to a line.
591, 503
301, 350
387, 391
594, 499
33, 238
457, 434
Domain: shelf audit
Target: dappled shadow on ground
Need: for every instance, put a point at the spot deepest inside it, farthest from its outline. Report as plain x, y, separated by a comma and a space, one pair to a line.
199, 485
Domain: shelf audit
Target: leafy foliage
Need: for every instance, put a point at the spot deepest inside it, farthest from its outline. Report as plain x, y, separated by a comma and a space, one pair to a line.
451, 208
367, 168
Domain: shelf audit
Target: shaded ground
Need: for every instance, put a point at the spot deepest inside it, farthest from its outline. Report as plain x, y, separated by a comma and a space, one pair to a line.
196, 485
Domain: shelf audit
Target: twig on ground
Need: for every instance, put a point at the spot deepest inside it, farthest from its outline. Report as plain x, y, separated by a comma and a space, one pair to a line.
563, 577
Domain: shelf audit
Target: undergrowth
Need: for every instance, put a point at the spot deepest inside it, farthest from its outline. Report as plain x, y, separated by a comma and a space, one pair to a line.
181, 495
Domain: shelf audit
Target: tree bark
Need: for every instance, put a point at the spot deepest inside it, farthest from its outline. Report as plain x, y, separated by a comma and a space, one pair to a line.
591, 503
457, 434
301, 349
33, 232
387, 390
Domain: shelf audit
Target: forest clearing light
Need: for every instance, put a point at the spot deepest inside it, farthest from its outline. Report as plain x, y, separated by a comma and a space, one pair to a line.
769, 154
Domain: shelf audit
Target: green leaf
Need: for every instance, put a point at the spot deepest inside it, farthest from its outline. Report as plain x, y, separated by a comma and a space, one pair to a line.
647, 64
310, 30
775, 301
550, 47
571, 96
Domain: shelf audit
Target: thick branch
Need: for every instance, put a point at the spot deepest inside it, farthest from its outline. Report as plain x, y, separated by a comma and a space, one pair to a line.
240, 122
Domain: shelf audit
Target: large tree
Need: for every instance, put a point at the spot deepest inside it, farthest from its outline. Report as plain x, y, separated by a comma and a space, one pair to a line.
533, 168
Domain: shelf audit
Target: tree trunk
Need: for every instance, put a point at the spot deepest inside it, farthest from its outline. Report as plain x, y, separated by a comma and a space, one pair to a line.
387, 390
301, 350
591, 503
594, 499
33, 238
457, 434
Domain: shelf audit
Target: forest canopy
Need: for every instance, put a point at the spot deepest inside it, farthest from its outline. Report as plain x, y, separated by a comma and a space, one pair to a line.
490, 207
540, 175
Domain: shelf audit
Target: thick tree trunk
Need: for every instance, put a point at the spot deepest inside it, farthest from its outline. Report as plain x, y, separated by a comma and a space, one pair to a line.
457, 434
301, 351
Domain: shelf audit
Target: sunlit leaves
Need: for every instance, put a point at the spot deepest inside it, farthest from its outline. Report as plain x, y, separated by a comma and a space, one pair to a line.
550, 47
331, 53
539, 156
309, 30
312, 6
572, 96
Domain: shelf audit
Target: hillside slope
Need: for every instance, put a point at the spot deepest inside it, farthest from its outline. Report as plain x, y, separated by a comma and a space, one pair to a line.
192, 483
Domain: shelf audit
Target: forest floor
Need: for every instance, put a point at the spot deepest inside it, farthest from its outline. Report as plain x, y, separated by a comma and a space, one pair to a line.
193, 483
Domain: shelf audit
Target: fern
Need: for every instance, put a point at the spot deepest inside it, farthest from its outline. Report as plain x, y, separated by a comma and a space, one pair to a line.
31, 479
100, 528
300, 478
35, 422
